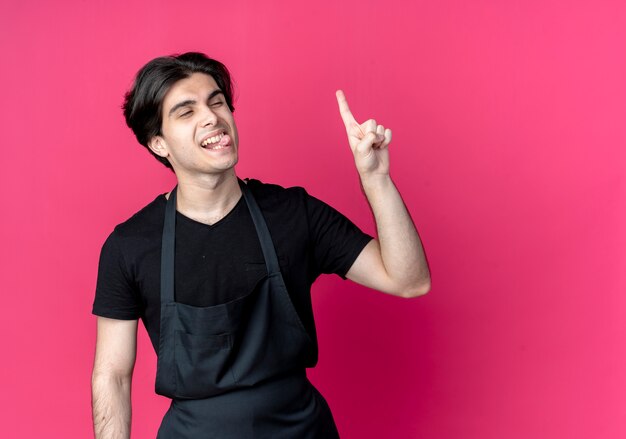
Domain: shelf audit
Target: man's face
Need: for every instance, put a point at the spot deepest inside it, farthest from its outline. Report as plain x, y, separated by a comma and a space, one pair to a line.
198, 132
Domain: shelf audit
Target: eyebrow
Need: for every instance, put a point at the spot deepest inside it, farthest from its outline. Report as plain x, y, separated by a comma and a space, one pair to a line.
192, 102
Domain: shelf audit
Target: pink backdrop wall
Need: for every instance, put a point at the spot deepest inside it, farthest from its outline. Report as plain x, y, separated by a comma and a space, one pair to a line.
509, 149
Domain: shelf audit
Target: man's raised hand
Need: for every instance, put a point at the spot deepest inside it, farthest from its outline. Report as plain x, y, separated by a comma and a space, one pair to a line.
368, 141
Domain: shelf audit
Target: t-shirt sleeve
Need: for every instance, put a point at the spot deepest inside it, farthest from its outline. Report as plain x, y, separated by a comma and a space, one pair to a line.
116, 296
336, 241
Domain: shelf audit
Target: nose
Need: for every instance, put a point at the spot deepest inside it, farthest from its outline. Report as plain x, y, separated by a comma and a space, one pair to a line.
208, 117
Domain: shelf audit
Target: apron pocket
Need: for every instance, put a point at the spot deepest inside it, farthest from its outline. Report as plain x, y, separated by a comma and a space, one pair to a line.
203, 366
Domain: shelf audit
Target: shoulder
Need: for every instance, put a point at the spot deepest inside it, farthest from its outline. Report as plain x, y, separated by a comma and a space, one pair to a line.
144, 223
270, 195
289, 200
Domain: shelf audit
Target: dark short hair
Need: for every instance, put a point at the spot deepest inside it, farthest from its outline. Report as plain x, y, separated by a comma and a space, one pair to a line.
143, 103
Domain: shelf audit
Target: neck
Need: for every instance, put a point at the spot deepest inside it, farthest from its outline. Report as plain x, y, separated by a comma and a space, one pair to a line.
210, 199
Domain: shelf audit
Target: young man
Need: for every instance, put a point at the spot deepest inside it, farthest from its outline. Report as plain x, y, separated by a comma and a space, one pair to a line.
220, 270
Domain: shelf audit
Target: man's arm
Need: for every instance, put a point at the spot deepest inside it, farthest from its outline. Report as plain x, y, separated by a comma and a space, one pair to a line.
395, 263
116, 348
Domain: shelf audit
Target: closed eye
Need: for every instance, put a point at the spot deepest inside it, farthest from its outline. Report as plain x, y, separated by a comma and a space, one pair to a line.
217, 104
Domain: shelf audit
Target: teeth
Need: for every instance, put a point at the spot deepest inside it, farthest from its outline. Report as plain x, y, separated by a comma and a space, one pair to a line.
213, 139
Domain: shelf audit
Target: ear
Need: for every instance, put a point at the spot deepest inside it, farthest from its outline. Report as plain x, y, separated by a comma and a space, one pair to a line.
157, 145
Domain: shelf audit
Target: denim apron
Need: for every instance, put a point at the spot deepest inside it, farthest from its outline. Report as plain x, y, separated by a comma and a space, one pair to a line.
237, 370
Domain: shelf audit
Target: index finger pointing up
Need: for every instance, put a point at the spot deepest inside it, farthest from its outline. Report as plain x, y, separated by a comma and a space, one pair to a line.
344, 110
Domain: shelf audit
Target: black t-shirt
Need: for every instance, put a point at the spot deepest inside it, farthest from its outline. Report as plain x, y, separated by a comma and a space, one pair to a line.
221, 262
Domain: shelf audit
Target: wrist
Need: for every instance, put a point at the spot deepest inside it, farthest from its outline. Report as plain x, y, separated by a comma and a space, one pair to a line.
375, 181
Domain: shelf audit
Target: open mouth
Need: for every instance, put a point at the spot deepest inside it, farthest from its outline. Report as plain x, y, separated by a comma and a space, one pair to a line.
212, 140
219, 141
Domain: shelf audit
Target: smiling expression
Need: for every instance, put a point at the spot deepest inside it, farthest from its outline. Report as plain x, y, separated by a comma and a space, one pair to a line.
198, 132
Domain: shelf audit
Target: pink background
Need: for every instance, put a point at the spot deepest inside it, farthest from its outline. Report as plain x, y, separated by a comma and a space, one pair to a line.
509, 121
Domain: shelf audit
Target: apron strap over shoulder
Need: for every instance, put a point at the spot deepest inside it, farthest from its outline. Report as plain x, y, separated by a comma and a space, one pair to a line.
167, 249
269, 253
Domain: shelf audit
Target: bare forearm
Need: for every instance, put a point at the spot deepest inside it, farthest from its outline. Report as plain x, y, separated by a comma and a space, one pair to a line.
111, 406
400, 246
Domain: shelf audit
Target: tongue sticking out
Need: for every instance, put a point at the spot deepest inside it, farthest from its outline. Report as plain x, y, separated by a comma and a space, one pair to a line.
225, 140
